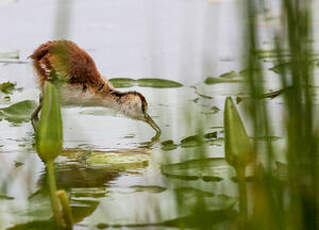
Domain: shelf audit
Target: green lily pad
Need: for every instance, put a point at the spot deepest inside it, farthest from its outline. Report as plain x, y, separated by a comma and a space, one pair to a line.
122, 82
19, 112
158, 83
192, 141
7, 87
214, 109
229, 75
144, 82
168, 145
209, 169
198, 140
211, 135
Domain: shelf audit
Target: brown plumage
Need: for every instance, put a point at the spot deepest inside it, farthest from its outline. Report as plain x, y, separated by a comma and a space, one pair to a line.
66, 59
82, 84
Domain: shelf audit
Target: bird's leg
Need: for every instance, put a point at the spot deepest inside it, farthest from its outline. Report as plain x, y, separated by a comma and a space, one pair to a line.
34, 115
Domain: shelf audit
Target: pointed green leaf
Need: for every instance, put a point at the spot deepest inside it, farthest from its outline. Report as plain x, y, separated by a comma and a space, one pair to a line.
238, 148
49, 139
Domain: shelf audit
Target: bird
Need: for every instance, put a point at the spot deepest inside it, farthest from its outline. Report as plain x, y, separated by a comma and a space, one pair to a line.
82, 84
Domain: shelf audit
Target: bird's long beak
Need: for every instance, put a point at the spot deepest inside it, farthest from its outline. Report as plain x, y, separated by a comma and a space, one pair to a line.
150, 121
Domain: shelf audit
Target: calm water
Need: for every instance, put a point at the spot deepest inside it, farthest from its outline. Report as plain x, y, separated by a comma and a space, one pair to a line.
181, 40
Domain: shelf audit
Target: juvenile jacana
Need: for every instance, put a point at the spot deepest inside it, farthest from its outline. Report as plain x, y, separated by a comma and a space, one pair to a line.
82, 84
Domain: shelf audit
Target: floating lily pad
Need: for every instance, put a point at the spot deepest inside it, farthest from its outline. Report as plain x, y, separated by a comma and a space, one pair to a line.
158, 83
144, 82
229, 75
168, 145
192, 141
122, 82
197, 140
7, 87
211, 135
209, 169
214, 109
19, 112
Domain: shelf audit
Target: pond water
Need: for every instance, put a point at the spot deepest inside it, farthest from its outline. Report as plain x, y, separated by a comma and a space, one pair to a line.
181, 40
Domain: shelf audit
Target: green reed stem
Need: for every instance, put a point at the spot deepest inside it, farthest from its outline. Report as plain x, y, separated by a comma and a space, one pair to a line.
67, 213
54, 199
242, 195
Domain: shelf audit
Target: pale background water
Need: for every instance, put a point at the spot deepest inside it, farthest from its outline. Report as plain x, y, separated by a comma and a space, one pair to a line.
181, 40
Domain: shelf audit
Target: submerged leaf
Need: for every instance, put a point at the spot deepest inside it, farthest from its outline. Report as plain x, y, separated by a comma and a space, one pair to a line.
238, 149
19, 112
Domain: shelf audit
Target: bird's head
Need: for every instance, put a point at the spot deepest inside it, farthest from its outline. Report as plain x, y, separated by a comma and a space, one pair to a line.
134, 105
